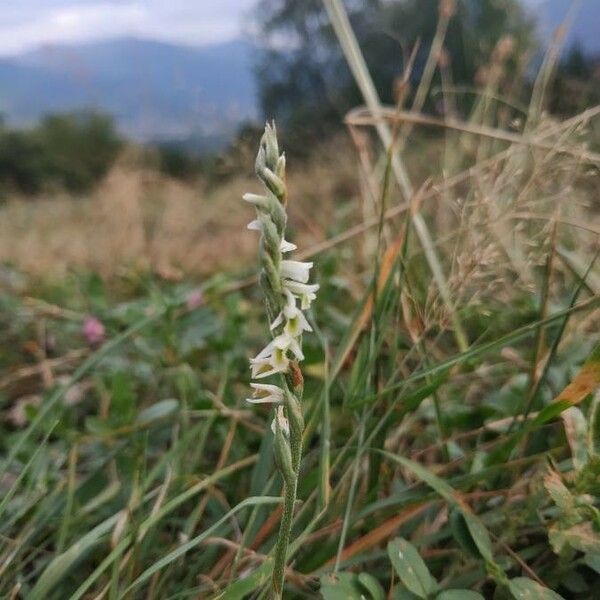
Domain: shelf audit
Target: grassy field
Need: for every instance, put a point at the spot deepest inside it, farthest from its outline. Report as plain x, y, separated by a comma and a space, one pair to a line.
140, 219
452, 420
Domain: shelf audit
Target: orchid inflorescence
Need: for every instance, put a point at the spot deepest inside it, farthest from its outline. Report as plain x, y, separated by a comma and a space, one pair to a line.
285, 282
288, 293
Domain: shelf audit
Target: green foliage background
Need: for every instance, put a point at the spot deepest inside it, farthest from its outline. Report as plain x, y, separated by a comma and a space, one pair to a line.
63, 152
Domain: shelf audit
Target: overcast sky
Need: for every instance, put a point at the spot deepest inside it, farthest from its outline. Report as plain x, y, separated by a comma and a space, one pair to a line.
28, 23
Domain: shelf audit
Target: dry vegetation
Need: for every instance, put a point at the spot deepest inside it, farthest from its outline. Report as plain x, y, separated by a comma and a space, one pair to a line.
138, 218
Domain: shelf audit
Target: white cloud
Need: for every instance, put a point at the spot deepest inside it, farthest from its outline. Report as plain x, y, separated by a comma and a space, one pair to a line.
28, 23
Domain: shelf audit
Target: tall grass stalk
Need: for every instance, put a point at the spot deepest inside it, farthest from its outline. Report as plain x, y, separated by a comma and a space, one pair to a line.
355, 59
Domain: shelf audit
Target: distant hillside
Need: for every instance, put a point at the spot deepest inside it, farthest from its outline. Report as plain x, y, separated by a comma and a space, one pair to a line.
154, 90
165, 91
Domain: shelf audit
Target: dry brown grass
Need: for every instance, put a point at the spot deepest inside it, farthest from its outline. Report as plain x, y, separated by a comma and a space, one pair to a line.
134, 218
494, 223
494, 199
137, 218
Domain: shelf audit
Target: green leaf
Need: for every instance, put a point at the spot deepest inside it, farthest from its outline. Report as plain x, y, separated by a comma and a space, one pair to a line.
480, 536
459, 595
195, 330
24, 470
475, 527
184, 548
439, 485
63, 563
246, 585
548, 413
98, 426
594, 426
462, 535
168, 507
401, 593
523, 588
359, 375
411, 401
592, 560
123, 397
481, 350
411, 568
340, 586
559, 492
157, 412
556, 538
588, 478
370, 584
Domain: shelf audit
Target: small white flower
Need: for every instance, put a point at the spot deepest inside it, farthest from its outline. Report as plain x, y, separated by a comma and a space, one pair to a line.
295, 270
295, 321
284, 343
306, 293
265, 394
270, 360
285, 246
273, 357
277, 362
283, 422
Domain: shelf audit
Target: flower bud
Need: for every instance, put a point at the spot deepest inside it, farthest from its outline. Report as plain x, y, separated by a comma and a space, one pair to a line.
283, 453
280, 167
273, 182
294, 412
258, 200
269, 142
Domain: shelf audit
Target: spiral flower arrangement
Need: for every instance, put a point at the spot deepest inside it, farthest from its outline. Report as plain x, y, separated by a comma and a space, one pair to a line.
287, 292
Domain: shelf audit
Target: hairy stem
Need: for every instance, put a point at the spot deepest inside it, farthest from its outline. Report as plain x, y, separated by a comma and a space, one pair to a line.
285, 530
294, 412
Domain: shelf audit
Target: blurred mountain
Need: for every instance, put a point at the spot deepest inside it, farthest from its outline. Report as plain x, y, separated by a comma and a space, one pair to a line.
154, 90
169, 92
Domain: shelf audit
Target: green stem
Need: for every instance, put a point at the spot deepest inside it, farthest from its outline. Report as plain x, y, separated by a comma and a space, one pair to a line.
285, 530
296, 422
